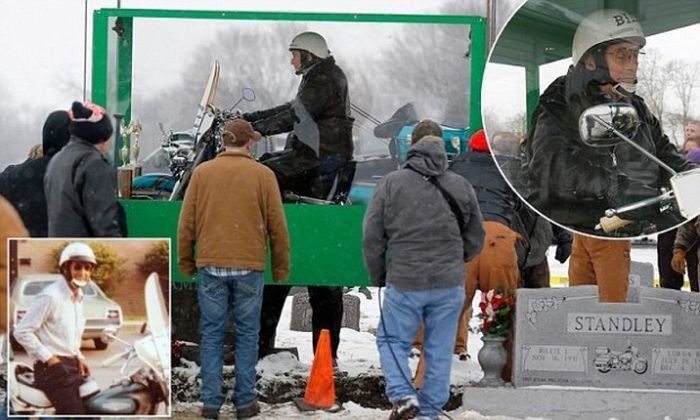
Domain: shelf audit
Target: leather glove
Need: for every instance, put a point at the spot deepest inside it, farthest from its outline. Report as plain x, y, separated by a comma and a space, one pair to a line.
563, 252
609, 224
678, 260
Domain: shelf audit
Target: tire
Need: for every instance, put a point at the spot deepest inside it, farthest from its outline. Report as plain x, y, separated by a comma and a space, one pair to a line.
99, 344
640, 366
604, 368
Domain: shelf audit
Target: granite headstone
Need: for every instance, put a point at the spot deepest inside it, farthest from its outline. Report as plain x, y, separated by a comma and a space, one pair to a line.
564, 336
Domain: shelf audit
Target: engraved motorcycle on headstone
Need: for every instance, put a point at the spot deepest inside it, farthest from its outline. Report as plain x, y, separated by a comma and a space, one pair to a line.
629, 359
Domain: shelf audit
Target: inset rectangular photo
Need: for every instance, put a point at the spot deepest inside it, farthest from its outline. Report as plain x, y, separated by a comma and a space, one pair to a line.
89, 327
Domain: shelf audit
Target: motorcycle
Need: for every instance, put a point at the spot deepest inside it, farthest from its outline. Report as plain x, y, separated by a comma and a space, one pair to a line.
141, 391
186, 155
607, 125
629, 359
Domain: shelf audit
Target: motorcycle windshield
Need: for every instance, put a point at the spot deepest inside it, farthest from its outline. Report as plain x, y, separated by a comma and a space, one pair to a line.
158, 323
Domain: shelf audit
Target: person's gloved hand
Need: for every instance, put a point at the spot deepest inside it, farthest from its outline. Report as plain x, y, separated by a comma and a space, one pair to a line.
678, 260
563, 252
610, 224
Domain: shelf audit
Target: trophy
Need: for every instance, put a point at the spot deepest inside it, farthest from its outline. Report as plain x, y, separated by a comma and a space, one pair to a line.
135, 129
124, 151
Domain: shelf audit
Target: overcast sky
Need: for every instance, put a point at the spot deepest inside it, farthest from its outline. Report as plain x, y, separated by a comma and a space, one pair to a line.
43, 45
43, 39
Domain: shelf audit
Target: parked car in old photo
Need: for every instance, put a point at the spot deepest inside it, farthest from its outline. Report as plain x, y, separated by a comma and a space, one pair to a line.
100, 311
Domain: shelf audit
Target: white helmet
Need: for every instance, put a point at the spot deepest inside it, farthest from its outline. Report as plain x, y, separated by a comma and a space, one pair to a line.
311, 42
77, 251
603, 26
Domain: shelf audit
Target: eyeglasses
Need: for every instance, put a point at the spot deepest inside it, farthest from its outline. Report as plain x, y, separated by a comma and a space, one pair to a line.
81, 265
624, 55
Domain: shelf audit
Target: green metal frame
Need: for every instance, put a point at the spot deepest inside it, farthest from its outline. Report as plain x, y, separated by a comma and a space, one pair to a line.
326, 241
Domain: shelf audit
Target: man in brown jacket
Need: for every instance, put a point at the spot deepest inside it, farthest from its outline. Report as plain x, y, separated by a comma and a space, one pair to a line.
232, 207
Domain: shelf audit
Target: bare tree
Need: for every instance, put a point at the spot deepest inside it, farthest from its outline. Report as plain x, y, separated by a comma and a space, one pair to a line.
653, 75
684, 80
254, 59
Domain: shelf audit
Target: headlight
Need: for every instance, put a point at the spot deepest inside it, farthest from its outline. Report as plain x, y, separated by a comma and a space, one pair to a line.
113, 314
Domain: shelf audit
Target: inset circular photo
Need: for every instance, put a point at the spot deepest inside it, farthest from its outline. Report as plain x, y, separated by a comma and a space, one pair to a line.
593, 113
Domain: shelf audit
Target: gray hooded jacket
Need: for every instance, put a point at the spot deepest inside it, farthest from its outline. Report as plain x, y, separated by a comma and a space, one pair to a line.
411, 237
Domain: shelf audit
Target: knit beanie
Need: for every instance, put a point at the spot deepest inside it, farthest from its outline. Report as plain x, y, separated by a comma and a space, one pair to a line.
90, 122
693, 155
478, 142
55, 133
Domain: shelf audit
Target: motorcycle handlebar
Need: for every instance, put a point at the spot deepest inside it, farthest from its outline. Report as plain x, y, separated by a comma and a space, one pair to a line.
108, 361
639, 204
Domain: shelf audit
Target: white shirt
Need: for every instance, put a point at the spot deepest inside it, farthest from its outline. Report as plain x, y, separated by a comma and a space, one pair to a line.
54, 324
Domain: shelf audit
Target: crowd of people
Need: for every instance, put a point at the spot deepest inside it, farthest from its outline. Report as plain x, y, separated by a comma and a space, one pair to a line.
434, 232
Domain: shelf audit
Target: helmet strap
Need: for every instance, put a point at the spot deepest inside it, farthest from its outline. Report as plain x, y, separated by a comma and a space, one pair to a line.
79, 283
625, 89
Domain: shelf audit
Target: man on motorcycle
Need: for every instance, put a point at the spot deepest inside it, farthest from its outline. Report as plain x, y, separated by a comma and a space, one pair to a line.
573, 183
51, 331
318, 120
318, 148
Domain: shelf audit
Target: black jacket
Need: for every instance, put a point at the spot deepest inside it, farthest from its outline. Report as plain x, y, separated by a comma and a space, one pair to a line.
319, 114
496, 199
23, 186
574, 184
81, 193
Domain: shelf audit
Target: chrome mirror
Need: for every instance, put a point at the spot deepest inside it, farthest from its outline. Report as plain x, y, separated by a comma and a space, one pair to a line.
602, 125
248, 94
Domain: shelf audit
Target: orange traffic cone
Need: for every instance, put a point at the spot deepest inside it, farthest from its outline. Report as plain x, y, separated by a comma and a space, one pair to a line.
320, 388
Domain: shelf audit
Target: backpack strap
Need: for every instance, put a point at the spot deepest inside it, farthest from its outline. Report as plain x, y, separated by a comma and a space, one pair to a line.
448, 197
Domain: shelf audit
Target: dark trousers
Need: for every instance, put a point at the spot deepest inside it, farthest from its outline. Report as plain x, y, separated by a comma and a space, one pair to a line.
327, 313
536, 276
668, 277
61, 383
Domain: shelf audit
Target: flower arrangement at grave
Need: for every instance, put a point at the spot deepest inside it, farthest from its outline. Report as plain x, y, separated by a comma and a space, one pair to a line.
496, 308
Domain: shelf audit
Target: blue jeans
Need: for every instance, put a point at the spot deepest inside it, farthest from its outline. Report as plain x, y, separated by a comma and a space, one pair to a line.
244, 295
403, 312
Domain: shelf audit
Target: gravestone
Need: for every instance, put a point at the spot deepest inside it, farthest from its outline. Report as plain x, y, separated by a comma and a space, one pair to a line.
566, 337
642, 274
301, 313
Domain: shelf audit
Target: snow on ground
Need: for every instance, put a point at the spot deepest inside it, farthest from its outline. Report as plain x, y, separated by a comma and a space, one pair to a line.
357, 354
351, 411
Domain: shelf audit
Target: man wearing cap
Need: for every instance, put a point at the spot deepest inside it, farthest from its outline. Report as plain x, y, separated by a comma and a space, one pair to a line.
573, 183
80, 184
318, 148
51, 330
23, 184
231, 209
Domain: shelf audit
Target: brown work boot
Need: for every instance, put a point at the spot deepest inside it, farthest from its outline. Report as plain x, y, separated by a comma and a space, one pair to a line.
248, 411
